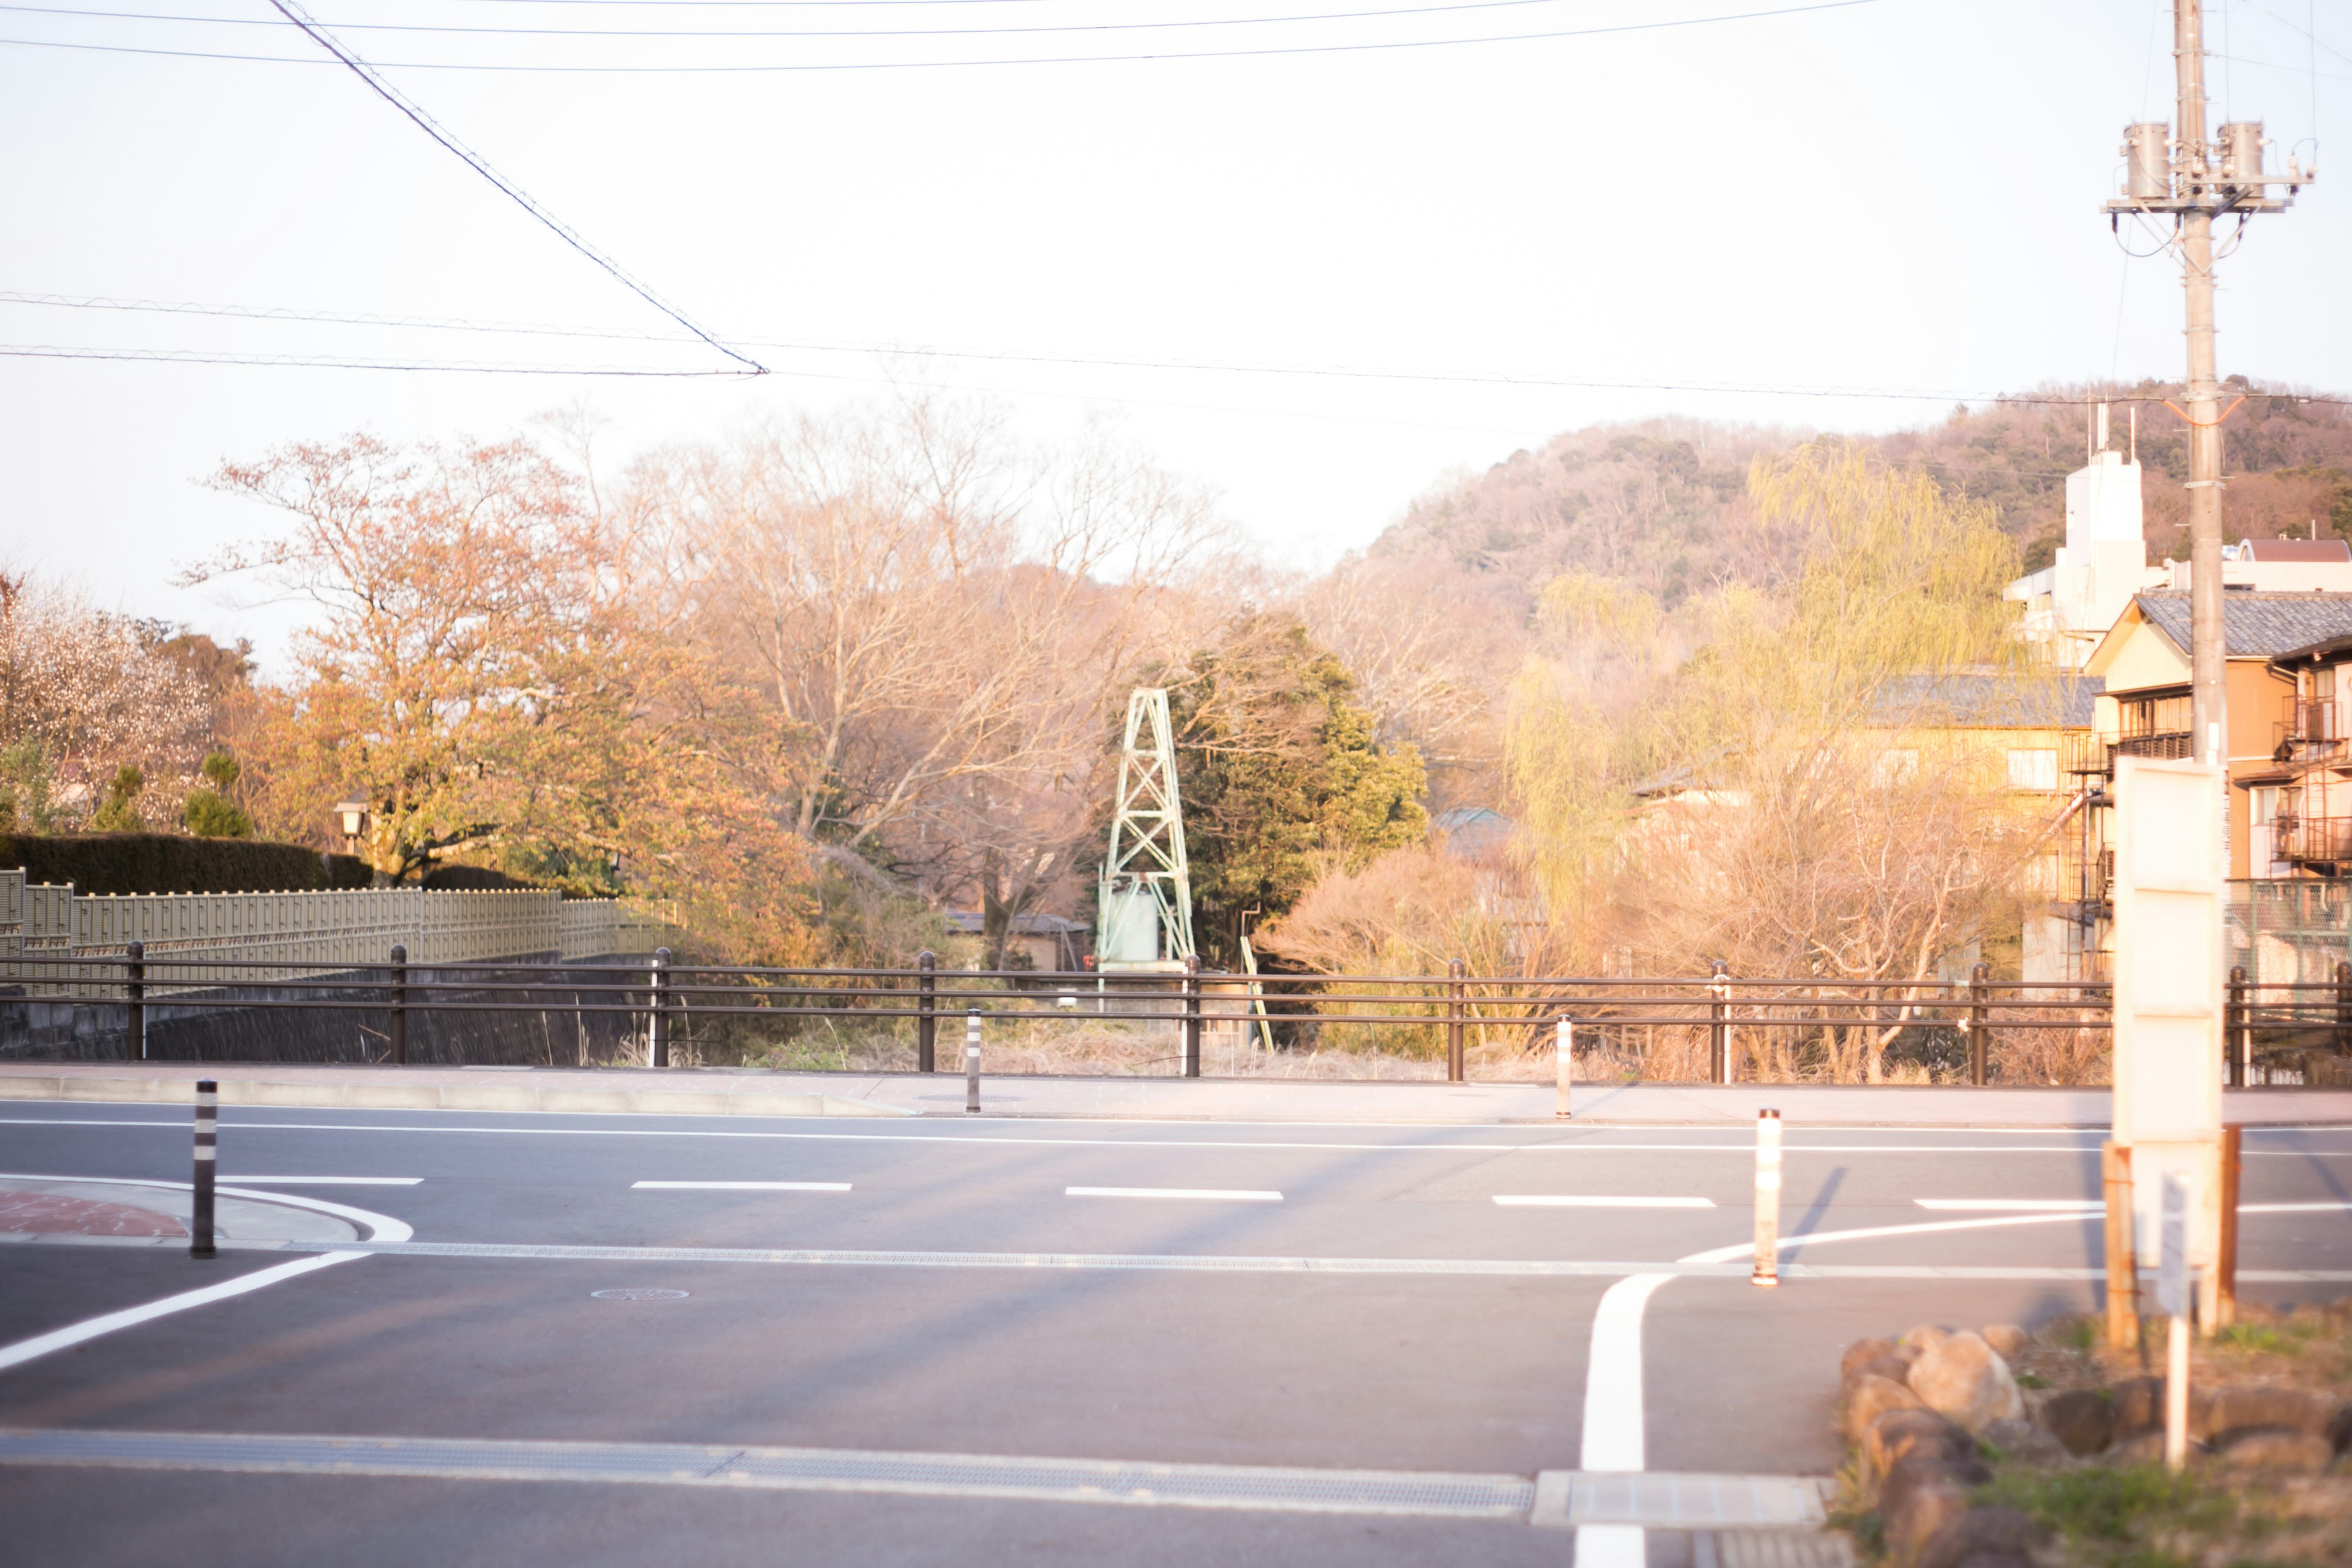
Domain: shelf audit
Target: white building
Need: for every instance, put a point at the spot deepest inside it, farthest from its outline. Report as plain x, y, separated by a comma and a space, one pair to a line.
2071, 604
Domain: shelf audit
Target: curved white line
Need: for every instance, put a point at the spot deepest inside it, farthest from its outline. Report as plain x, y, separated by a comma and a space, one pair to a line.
1747, 1249
379, 1226
76, 1334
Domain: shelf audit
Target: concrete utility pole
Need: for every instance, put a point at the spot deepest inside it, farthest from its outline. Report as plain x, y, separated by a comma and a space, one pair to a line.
2195, 180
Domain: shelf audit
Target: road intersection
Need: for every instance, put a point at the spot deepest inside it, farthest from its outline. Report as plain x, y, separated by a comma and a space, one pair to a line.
1335, 1300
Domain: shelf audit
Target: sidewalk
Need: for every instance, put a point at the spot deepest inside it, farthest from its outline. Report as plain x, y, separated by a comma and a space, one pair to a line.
705, 1092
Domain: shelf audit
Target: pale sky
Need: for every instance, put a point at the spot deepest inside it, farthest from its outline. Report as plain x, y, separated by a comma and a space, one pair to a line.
1885, 194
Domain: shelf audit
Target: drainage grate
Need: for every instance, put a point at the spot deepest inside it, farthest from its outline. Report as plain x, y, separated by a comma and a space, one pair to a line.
1780, 1549
639, 1293
1428, 1494
1666, 1500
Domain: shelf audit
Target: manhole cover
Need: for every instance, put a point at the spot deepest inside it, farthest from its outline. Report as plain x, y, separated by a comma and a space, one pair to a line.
639, 1293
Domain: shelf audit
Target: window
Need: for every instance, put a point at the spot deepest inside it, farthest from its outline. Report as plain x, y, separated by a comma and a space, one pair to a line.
2143, 716
1895, 767
2033, 768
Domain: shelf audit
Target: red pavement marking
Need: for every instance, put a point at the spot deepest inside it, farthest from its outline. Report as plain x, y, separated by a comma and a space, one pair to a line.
48, 1214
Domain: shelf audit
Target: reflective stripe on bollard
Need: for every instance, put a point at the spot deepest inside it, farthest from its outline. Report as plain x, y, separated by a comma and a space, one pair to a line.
1767, 1199
972, 1060
200, 1222
1566, 1047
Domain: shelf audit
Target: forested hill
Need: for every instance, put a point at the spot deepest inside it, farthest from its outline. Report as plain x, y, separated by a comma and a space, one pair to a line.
1662, 503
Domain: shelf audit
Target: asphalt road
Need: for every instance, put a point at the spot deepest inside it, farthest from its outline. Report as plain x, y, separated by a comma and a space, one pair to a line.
1107, 1325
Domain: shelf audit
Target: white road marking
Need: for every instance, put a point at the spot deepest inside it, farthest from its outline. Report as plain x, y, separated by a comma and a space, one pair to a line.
1615, 1430
2048, 1206
740, 1186
2293, 1208
1205, 1195
1733, 1145
326, 1181
1747, 1249
24, 1350
1595, 1201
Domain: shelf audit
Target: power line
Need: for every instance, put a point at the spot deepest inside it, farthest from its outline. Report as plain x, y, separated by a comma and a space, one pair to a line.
1299, 18
329, 361
939, 65
992, 356
474, 162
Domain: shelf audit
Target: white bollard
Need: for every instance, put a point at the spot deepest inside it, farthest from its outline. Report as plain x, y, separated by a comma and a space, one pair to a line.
1767, 1200
1566, 1047
972, 1060
2173, 1295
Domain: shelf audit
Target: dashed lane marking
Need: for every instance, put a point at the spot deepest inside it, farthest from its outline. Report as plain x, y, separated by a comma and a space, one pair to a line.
1595, 1201
1200, 1195
739, 1186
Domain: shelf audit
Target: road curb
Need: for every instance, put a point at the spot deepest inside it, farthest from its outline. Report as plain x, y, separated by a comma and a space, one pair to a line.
396, 1095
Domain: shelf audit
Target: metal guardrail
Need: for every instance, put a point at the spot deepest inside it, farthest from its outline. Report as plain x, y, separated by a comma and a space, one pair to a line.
1715, 1010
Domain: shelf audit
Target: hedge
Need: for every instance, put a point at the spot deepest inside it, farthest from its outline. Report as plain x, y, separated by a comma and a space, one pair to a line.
172, 863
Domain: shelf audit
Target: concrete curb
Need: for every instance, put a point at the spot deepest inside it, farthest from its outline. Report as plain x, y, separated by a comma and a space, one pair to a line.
396, 1095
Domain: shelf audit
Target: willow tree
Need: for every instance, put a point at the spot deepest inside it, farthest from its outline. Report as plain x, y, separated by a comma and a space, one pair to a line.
1781, 776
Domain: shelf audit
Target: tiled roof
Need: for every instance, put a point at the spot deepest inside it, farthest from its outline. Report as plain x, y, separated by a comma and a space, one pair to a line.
1992, 699
2257, 626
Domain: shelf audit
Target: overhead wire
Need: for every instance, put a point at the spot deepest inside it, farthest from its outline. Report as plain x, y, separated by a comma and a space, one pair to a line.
1295, 19
474, 161
1092, 361
801, 66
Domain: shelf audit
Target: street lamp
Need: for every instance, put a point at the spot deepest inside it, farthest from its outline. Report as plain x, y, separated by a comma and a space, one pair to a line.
355, 820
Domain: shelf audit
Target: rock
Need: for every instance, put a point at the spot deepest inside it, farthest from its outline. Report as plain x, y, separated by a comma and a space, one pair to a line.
2139, 1402
1983, 1537
2084, 1419
1920, 1496
1960, 1376
1861, 1354
2019, 1439
2006, 1339
2257, 1404
2143, 1446
2274, 1448
1872, 1397
1899, 1434
1919, 1338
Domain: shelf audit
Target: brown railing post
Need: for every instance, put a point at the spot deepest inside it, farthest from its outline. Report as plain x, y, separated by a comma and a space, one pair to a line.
2122, 1256
658, 1029
1979, 1038
926, 1018
2226, 1268
1453, 1069
1718, 1044
2234, 1074
1192, 1015
398, 1025
2343, 1006
134, 992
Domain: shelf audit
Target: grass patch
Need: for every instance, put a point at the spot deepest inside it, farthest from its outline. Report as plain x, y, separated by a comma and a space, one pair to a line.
2141, 1516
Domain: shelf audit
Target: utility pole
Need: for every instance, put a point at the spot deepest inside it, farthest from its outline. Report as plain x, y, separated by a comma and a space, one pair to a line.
2194, 181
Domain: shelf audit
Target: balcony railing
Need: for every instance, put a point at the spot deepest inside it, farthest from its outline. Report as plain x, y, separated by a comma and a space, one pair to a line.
2321, 840
2310, 729
2172, 743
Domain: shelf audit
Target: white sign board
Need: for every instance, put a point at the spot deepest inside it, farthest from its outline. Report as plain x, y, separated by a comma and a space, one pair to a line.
2169, 902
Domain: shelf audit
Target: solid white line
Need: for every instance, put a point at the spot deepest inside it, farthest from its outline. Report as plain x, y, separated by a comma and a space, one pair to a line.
326, 1181
73, 1334
1596, 1200
740, 1187
1615, 1436
1735, 1145
1208, 1195
2050, 1206
2293, 1209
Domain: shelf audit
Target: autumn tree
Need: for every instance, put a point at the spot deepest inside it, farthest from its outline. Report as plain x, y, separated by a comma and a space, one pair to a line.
83, 695
1281, 774
1773, 776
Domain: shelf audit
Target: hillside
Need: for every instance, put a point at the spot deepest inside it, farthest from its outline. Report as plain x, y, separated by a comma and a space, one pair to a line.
1664, 504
